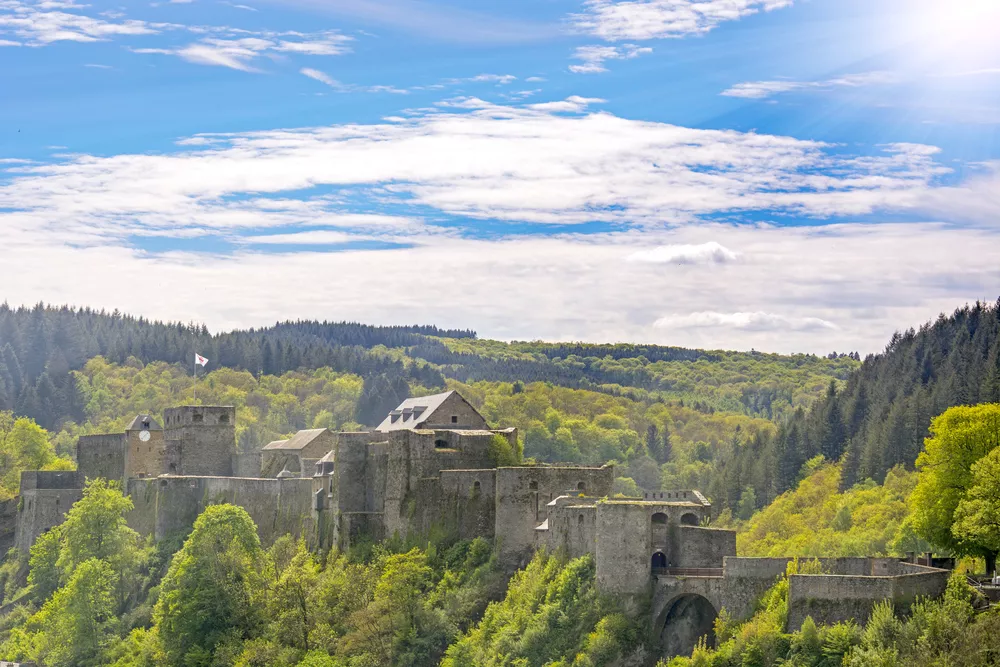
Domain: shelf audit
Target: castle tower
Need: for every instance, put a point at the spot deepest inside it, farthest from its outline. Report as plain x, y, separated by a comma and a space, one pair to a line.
144, 448
200, 440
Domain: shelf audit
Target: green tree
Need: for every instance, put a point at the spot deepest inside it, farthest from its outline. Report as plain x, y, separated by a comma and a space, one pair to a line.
977, 517
78, 624
959, 437
213, 588
95, 527
24, 445
292, 607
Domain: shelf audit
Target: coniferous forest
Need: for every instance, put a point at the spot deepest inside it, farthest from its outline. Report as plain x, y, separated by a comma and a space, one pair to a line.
803, 455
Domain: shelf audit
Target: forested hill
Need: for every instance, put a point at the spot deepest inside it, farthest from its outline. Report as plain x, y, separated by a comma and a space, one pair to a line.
39, 347
879, 419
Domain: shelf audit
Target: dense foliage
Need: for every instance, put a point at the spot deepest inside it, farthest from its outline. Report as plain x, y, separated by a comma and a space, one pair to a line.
817, 520
24, 445
880, 417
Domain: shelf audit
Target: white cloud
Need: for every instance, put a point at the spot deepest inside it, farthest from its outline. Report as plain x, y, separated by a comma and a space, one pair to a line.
614, 20
501, 79
758, 321
763, 89
316, 237
239, 52
703, 253
325, 78
593, 57
869, 280
322, 77
542, 163
43, 24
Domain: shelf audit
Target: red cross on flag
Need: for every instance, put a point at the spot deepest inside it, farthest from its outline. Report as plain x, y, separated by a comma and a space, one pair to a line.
200, 360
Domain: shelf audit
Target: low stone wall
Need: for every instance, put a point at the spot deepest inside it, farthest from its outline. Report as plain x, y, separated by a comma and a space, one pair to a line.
833, 598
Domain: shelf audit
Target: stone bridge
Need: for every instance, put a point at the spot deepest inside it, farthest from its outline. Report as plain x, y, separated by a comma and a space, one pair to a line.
686, 602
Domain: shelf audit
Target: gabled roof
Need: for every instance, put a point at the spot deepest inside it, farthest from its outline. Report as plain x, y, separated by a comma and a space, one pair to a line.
137, 423
297, 441
413, 411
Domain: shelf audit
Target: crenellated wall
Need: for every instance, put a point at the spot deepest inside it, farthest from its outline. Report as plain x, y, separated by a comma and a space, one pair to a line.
45, 498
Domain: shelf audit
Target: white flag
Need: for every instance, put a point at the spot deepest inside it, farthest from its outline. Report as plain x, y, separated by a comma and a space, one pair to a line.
200, 360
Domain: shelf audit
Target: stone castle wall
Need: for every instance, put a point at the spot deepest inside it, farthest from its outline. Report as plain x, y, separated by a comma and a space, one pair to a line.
522, 497
45, 498
168, 506
101, 456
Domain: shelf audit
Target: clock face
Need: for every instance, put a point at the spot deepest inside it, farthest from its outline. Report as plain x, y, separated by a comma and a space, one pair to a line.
144, 436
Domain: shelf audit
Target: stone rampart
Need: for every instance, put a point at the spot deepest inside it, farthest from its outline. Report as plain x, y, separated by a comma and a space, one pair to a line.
169, 505
101, 456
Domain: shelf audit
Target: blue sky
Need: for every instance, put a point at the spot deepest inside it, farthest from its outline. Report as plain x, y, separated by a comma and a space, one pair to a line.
789, 175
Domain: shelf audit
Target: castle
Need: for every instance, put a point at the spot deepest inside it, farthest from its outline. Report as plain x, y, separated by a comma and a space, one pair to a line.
431, 468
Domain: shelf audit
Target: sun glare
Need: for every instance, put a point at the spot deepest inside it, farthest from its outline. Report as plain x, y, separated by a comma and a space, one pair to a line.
963, 31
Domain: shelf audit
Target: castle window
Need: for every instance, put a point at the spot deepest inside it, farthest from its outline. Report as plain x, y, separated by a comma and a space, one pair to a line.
659, 561
223, 418
579, 520
440, 444
533, 485
476, 488
197, 418
454, 419
689, 519
145, 426
581, 487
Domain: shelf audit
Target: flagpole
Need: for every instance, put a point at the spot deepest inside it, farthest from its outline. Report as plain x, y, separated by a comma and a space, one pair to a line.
194, 367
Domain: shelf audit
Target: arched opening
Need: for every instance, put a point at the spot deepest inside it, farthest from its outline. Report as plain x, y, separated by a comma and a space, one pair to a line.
689, 519
533, 486
197, 418
688, 619
223, 418
476, 488
658, 523
441, 444
659, 561
581, 487
579, 520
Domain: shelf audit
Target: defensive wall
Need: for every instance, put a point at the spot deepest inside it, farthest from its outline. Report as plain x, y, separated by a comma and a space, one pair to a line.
101, 456
684, 606
168, 506
45, 498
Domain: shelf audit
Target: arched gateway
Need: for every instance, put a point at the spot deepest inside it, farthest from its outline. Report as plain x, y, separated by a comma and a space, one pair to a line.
688, 618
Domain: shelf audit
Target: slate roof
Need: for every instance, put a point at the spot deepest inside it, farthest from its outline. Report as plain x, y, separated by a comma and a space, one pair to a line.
413, 411
297, 441
136, 424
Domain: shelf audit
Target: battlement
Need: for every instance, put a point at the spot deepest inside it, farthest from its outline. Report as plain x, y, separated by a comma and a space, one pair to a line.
50, 479
199, 415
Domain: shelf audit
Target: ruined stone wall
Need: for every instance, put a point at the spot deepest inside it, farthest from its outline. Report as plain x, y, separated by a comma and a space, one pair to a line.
101, 456
169, 505
45, 498
702, 547
200, 440
523, 494
144, 459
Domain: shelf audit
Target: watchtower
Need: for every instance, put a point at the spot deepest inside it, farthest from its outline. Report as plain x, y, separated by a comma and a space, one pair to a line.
144, 448
200, 440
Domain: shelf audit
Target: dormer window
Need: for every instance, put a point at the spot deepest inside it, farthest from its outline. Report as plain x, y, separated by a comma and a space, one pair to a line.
407, 413
145, 426
454, 419
394, 416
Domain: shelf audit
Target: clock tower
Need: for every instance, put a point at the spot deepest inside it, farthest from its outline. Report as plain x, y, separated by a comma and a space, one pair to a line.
144, 448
